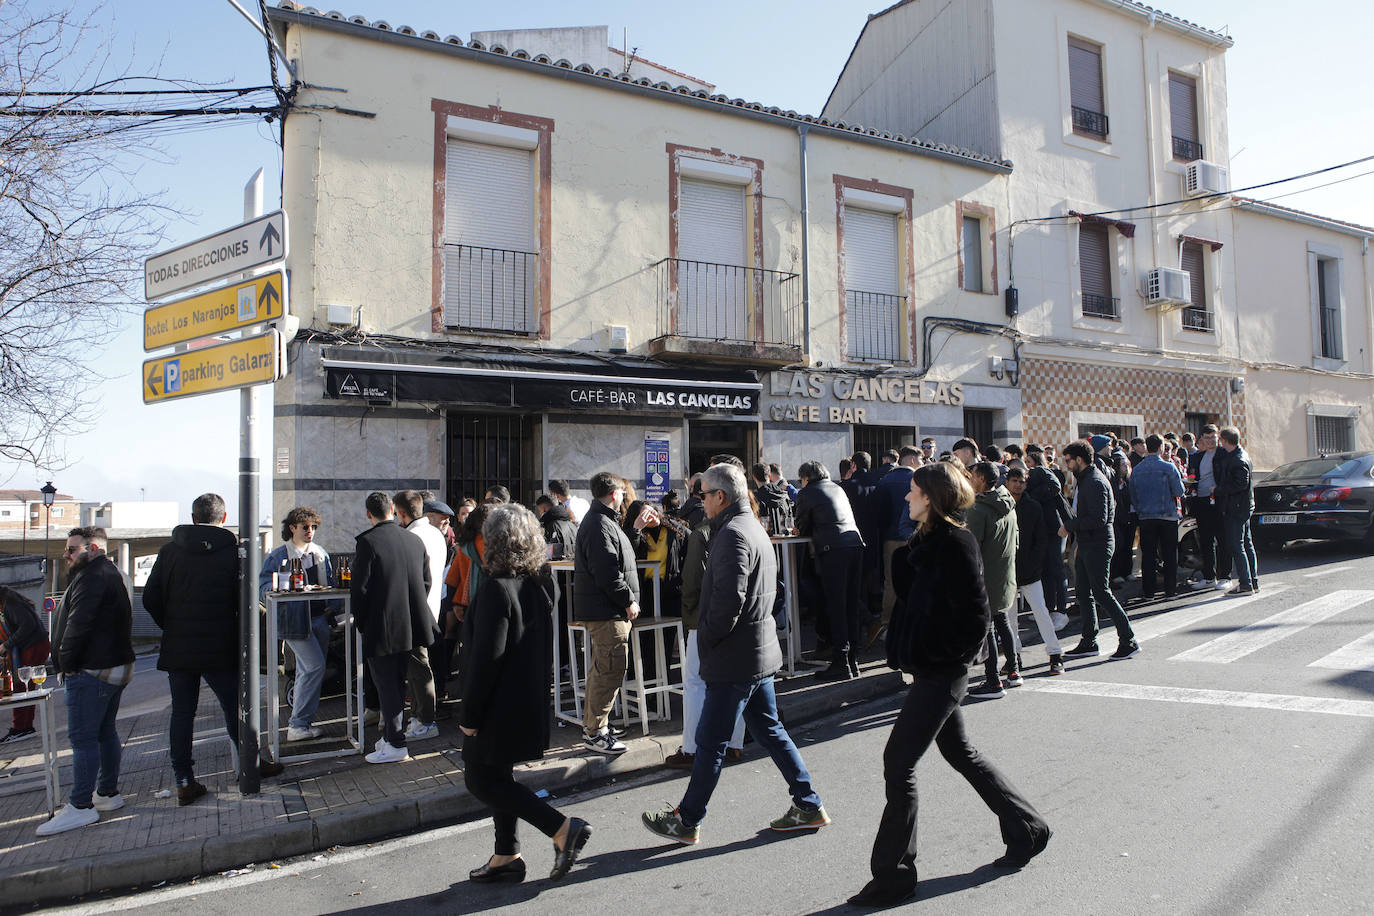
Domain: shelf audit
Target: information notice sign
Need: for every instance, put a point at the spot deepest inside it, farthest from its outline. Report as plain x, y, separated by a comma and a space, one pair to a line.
656, 466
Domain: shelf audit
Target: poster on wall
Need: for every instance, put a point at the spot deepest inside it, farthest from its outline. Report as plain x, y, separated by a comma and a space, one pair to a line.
656, 473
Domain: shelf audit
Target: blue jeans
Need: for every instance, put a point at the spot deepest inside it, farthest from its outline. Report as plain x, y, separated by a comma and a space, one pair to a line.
725, 702
310, 662
92, 706
1238, 541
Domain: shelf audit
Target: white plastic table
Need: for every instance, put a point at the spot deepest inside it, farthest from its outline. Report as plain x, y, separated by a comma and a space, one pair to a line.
47, 725
788, 548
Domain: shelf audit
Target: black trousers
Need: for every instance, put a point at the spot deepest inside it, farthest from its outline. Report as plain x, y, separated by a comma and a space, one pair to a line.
931, 713
1000, 635
1123, 559
1211, 539
1158, 536
389, 674
841, 577
494, 785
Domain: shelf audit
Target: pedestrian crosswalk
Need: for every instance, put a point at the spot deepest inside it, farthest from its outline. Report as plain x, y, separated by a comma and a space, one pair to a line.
1251, 638
1355, 656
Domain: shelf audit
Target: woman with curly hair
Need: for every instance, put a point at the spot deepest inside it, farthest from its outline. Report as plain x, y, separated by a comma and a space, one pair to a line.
508, 634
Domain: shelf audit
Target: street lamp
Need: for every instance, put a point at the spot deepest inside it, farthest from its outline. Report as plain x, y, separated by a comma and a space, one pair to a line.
49, 491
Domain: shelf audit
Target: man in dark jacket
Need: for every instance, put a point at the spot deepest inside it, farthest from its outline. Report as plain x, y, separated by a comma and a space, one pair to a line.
823, 514
1031, 540
692, 511
605, 600
894, 525
390, 598
1203, 465
775, 506
992, 522
1045, 487
193, 595
738, 642
560, 531
1093, 511
94, 654
1235, 496
862, 490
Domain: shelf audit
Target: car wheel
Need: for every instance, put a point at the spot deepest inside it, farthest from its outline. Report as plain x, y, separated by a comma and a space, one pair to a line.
1368, 539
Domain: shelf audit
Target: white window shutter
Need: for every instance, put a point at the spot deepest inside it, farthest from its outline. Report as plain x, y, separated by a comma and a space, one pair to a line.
489, 227
713, 291
872, 310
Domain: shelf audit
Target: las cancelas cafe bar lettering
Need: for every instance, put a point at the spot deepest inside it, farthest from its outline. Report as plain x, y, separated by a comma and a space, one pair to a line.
804, 389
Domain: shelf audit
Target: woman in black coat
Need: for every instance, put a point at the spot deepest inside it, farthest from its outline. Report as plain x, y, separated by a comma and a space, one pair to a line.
508, 645
934, 637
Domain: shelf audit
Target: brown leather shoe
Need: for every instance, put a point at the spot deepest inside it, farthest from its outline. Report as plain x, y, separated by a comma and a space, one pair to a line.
190, 792
680, 760
270, 768
734, 754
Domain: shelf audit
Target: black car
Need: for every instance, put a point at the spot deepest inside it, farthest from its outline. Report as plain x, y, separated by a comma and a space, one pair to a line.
1329, 497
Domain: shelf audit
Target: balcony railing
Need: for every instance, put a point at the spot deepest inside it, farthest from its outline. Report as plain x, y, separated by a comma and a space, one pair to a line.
875, 324
729, 303
1087, 121
490, 289
1197, 319
1099, 306
1186, 150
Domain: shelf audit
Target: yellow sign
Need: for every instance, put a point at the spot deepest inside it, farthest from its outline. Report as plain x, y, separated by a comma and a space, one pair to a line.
258, 360
230, 307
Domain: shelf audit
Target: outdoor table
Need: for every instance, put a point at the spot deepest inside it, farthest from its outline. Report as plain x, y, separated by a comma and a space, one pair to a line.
788, 548
353, 674
47, 728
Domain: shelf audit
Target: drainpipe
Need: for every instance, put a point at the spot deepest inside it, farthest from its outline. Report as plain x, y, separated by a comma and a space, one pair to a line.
1159, 313
805, 247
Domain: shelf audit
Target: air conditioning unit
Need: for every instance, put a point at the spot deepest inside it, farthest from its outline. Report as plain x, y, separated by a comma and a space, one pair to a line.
1168, 286
1203, 177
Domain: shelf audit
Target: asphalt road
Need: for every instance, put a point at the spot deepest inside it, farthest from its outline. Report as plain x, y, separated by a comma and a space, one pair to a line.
1217, 772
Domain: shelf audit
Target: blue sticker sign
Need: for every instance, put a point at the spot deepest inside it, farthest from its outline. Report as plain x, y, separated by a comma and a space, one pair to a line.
656, 466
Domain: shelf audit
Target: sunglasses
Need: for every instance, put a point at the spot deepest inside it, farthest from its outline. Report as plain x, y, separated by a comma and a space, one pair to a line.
311, 527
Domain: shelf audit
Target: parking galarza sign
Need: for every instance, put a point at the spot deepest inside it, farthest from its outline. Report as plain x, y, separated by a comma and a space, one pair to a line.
258, 360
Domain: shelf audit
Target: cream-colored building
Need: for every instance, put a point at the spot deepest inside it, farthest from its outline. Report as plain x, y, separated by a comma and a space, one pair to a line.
511, 268
1101, 105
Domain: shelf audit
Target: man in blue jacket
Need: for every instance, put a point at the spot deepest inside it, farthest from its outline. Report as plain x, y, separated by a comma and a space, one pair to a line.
894, 524
1156, 488
1093, 511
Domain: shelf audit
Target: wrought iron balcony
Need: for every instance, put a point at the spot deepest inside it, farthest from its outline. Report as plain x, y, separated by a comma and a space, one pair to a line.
744, 313
1099, 306
1197, 319
490, 289
1186, 150
874, 322
1087, 121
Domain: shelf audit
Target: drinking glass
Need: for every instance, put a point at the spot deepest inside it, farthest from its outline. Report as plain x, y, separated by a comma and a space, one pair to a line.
39, 673
24, 675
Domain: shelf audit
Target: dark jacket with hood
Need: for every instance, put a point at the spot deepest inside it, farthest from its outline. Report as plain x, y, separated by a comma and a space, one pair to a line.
992, 522
1094, 509
193, 595
824, 515
94, 623
605, 578
1048, 492
737, 637
560, 529
25, 628
390, 591
776, 506
1235, 492
1031, 541
942, 624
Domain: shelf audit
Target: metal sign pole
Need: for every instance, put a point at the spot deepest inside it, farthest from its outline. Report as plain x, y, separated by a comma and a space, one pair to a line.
250, 559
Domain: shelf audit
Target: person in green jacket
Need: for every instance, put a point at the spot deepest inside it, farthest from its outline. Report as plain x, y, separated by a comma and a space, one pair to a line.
992, 521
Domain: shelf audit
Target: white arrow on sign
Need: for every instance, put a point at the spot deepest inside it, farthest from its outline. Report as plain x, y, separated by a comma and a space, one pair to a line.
245, 246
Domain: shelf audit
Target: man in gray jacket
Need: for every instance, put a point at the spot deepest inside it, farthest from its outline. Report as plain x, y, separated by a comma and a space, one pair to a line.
1094, 508
738, 643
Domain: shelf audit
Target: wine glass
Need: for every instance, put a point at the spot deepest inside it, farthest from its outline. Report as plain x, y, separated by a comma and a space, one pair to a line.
24, 675
39, 673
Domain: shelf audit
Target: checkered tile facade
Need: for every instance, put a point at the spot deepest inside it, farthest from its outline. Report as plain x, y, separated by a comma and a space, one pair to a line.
1051, 389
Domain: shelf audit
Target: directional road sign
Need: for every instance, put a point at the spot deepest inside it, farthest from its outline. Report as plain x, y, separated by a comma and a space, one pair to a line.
225, 308
239, 363
247, 245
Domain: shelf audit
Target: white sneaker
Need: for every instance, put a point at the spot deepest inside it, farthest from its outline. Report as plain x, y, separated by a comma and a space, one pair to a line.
1058, 621
107, 802
68, 818
1222, 585
419, 731
604, 743
385, 753
303, 734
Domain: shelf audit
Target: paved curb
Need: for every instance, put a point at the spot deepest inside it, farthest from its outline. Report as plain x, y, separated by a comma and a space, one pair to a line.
137, 867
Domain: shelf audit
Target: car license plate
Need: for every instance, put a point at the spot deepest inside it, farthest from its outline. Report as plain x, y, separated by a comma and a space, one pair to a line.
1278, 519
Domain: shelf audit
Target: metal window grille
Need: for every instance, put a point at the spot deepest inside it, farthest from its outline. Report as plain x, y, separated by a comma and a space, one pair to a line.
725, 302
489, 449
874, 322
490, 288
877, 439
978, 425
1330, 313
1334, 434
1186, 150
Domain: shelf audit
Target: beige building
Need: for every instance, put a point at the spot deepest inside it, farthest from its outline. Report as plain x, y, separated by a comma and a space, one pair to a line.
511, 268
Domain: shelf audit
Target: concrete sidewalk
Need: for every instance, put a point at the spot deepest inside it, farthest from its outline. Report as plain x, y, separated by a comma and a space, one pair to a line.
313, 806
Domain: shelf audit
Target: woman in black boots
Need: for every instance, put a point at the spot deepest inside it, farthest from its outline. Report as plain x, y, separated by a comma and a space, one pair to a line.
934, 637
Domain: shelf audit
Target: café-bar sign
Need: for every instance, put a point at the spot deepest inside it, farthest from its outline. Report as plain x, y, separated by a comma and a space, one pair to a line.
815, 397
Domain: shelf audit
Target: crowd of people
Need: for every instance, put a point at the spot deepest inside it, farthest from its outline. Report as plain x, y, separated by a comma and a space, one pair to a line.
927, 552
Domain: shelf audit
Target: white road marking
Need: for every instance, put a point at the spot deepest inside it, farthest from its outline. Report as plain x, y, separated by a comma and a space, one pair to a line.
1356, 656
1240, 643
1326, 572
1282, 702
1163, 624
212, 883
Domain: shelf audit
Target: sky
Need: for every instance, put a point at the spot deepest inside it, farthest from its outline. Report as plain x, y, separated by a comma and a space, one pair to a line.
784, 54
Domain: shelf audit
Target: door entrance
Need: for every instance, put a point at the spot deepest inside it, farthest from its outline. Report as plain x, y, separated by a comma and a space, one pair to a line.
707, 438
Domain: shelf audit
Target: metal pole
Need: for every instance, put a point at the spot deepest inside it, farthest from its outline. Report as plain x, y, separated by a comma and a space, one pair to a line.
250, 559
47, 535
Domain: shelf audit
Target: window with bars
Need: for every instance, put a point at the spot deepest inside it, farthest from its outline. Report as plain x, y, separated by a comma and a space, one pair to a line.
490, 257
489, 449
874, 305
1196, 315
978, 424
1095, 273
1085, 89
1193, 422
877, 439
1187, 143
1333, 434
1329, 308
